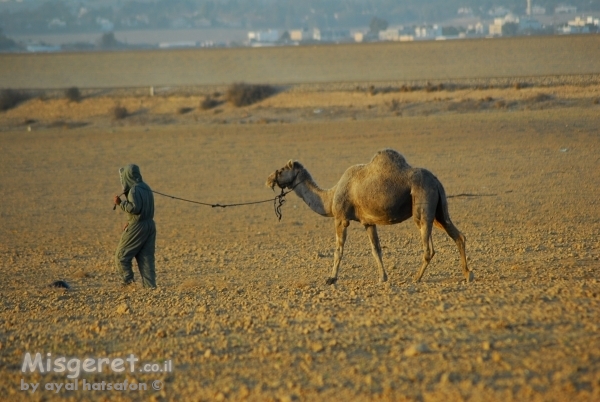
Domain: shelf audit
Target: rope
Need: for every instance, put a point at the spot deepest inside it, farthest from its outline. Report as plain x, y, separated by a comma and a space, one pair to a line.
278, 201
470, 195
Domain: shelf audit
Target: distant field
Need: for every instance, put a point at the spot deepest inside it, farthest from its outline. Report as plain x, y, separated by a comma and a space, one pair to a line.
436, 60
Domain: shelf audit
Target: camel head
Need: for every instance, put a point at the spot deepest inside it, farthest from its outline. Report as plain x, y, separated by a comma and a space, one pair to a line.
285, 177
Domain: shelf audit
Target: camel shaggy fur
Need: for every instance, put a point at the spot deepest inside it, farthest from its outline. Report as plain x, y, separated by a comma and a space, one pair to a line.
385, 191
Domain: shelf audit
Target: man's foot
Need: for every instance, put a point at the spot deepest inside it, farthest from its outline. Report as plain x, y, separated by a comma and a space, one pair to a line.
128, 284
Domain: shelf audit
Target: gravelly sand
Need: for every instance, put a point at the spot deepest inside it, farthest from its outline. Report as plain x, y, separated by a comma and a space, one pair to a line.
242, 308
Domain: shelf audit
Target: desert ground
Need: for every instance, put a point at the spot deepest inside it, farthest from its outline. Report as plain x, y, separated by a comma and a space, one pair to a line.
242, 310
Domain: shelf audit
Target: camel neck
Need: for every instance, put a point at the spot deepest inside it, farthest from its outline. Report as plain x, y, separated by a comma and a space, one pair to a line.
316, 198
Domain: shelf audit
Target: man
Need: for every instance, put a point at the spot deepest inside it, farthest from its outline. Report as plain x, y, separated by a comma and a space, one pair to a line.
139, 235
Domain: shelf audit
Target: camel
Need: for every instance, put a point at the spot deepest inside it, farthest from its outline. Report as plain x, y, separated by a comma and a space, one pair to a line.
385, 191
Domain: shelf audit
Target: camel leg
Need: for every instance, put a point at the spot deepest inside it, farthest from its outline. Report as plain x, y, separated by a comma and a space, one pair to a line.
425, 226
376, 250
460, 241
340, 239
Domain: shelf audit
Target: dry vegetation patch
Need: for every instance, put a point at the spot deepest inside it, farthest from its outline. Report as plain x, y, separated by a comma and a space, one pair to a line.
209, 102
10, 98
242, 94
119, 112
73, 94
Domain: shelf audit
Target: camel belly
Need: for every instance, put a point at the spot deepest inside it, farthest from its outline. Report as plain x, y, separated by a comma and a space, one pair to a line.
374, 219
388, 214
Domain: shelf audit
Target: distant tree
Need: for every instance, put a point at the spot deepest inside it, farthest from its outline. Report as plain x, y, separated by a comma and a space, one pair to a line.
377, 24
285, 37
73, 94
510, 28
450, 31
6, 42
108, 41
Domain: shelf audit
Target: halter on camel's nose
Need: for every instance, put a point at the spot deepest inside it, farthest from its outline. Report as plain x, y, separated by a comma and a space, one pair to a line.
272, 182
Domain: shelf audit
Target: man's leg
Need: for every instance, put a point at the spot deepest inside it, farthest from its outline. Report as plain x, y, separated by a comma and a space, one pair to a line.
146, 261
128, 247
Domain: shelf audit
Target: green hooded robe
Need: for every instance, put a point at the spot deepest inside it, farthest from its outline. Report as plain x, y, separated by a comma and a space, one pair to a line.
138, 239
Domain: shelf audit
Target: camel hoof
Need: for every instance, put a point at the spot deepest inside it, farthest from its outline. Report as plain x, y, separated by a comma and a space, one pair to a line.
383, 279
470, 277
331, 281
417, 279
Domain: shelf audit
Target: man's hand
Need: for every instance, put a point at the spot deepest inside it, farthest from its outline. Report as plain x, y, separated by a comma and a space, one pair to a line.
117, 200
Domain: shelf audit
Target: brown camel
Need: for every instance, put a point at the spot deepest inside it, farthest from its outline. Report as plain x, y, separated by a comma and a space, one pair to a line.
385, 191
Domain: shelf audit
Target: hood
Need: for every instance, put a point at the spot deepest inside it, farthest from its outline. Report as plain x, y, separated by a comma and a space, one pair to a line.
130, 175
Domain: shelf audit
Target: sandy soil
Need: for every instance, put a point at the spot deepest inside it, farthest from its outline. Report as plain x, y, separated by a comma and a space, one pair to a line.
242, 308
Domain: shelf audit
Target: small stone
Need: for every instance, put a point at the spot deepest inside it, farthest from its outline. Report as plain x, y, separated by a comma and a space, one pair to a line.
415, 350
316, 347
123, 309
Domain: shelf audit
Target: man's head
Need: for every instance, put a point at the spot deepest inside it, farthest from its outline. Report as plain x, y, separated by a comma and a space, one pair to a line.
129, 176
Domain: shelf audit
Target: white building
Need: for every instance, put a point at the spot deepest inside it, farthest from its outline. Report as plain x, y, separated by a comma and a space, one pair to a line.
359, 36
392, 34
268, 36
579, 25
565, 10
299, 35
570, 29
177, 45
428, 32
495, 29
480, 29
331, 35
583, 21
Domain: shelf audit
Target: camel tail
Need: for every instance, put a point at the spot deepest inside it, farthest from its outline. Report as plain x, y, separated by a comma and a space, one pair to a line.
441, 212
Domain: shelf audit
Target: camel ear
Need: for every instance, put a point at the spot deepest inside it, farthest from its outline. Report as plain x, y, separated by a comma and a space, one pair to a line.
290, 164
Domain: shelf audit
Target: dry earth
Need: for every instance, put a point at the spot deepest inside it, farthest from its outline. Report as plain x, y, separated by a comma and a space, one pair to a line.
242, 309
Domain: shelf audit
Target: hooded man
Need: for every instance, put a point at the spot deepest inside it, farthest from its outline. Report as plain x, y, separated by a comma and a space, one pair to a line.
139, 235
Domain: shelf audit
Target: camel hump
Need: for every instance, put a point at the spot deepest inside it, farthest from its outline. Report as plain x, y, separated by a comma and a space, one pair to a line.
388, 155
